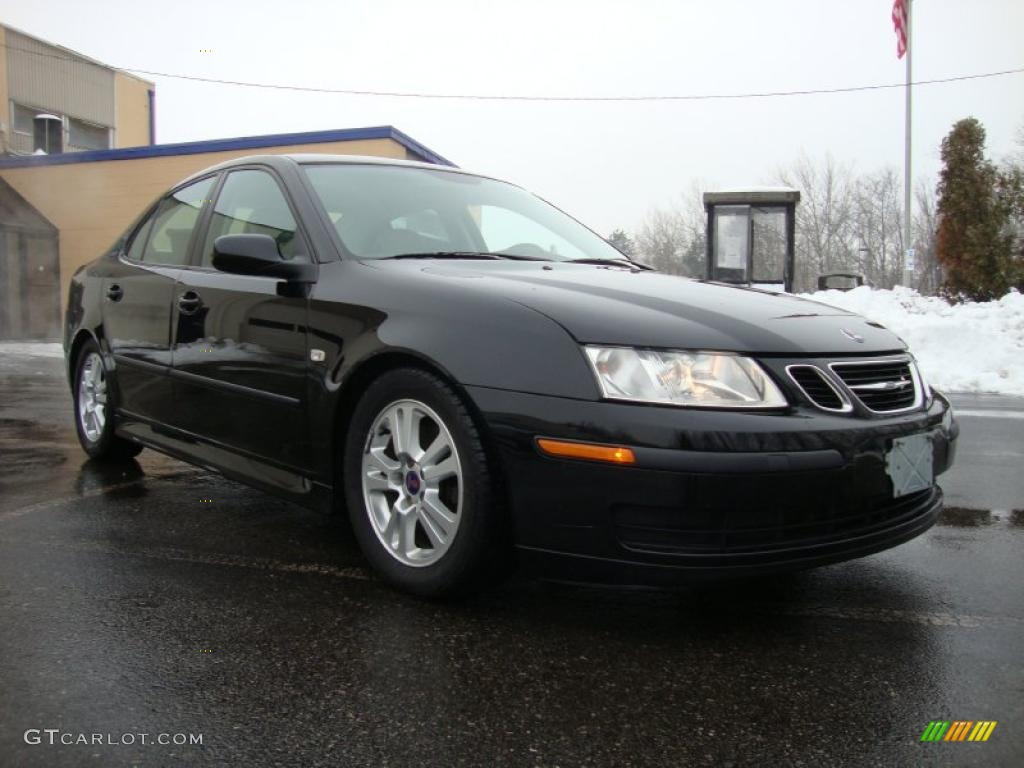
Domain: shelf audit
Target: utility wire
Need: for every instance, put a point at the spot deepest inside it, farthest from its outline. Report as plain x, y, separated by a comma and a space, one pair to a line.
498, 97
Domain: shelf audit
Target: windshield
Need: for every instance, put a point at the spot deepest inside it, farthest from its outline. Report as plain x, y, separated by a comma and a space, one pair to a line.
382, 211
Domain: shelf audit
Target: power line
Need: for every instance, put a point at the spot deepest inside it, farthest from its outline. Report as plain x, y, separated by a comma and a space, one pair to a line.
502, 97
497, 97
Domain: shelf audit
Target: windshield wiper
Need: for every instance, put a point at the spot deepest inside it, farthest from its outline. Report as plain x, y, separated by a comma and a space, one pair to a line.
445, 255
464, 255
623, 262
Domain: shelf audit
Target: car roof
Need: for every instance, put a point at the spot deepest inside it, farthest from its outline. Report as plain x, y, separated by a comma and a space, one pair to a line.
313, 158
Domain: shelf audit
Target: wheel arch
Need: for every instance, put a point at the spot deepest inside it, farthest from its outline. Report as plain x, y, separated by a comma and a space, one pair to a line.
363, 376
82, 336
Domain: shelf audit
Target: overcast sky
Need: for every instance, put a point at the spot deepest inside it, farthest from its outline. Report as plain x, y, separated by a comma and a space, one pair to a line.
607, 163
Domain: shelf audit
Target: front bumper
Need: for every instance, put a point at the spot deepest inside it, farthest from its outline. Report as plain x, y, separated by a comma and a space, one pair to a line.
713, 492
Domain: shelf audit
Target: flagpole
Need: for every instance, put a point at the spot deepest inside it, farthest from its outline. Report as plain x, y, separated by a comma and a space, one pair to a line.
908, 245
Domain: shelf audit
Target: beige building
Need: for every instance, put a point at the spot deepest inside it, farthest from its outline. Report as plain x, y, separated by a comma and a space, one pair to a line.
58, 212
98, 107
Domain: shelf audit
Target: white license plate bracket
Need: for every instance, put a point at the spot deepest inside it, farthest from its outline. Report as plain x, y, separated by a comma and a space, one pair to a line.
909, 464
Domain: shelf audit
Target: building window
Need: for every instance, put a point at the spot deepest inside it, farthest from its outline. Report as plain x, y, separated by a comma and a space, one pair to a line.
82, 135
21, 118
78, 134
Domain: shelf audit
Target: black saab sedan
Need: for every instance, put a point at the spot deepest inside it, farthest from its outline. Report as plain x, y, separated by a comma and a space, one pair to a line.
476, 379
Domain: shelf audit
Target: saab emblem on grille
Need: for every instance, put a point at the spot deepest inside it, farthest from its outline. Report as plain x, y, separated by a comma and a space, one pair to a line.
883, 386
851, 335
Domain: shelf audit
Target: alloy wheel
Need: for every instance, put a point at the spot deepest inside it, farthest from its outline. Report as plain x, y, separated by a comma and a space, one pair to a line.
92, 397
412, 481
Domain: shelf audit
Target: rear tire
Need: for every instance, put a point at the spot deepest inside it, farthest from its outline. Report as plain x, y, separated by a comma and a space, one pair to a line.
94, 412
420, 493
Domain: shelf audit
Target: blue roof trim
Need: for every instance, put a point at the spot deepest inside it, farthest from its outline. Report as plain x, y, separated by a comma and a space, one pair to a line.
415, 147
223, 145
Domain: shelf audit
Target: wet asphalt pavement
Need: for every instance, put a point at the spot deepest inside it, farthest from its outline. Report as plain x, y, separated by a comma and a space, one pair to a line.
155, 598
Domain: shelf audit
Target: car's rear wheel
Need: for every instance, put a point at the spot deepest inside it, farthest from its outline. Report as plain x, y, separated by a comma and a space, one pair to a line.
420, 493
93, 409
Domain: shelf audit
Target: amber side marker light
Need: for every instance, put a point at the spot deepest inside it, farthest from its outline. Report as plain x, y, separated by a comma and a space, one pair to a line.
614, 454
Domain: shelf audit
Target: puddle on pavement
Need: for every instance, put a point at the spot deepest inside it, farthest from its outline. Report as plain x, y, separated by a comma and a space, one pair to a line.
962, 517
28, 447
23, 430
94, 475
26, 458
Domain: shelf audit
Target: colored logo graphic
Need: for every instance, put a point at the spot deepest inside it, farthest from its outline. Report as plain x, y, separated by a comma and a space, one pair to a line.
958, 730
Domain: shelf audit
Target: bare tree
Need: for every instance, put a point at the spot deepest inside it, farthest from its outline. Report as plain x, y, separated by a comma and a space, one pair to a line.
1017, 157
824, 219
877, 224
926, 224
1011, 191
661, 239
672, 238
694, 223
844, 223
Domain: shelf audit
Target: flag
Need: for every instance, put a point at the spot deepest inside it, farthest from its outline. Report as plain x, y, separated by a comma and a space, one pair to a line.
899, 22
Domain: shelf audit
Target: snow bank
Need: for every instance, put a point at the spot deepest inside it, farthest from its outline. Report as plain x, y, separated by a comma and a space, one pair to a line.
30, 349
972, 347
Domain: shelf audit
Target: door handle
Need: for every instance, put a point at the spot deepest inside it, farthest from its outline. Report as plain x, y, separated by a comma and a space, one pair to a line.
189, 303
114, 292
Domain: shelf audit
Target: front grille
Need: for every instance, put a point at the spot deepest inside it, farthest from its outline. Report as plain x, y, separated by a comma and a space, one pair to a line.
764, 528
818, 389
882, 386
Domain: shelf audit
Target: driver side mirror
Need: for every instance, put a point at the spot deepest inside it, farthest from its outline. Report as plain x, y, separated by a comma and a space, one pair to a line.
259, 256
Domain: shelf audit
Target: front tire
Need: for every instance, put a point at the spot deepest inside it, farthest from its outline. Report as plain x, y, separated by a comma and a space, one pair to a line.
94, 420
419, 490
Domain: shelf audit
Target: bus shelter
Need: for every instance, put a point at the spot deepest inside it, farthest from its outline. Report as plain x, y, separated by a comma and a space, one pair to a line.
750, 236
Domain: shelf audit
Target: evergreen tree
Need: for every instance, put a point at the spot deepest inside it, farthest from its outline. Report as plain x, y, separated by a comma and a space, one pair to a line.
974, 244
622, 241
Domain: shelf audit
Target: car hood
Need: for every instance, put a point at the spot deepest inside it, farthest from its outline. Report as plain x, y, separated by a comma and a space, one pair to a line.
617, 306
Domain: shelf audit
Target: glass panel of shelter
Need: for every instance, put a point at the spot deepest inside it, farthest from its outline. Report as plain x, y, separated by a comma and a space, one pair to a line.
750, 244
732, 243
768, 255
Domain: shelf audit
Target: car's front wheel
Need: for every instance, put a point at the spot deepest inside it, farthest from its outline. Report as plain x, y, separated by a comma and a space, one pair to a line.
420, 493
93, 409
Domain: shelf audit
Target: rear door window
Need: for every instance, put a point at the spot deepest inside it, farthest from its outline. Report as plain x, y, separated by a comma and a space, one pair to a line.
138, 243
174, 222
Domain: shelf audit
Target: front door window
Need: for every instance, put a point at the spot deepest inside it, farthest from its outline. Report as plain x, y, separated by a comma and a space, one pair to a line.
251, 203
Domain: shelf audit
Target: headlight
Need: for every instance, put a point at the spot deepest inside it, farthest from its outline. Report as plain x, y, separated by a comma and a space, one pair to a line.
701, 379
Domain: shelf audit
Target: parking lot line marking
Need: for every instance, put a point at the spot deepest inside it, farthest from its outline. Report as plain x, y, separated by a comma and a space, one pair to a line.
50, 503
864, 613
101, 491
231, 561
971, 412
